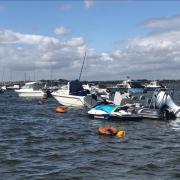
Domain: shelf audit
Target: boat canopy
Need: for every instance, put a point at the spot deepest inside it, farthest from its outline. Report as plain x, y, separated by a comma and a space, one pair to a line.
76, 88
108, 108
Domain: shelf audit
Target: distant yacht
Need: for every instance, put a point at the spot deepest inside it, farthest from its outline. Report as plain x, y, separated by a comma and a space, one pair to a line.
128, 86
2, 89
31, 89
152, 86
72, 94
15, 86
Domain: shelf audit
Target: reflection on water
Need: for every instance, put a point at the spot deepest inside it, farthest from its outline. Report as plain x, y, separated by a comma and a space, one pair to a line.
175, 124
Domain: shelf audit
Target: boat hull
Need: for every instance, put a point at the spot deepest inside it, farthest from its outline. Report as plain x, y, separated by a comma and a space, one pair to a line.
110, 112
69, 100
150, 113
35, 94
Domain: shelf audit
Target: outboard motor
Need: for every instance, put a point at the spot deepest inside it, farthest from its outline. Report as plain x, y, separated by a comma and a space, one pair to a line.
164, 101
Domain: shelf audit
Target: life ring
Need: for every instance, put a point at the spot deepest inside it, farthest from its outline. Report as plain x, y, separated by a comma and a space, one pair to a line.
107, 130
61, 109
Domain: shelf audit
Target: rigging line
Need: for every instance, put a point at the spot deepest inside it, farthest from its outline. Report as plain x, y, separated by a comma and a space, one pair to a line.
82, 66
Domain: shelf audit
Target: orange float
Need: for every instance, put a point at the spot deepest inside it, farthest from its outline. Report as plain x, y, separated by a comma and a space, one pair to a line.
61, 109
107, 130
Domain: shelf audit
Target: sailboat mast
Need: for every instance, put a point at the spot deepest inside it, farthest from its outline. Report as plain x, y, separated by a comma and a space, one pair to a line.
82, 66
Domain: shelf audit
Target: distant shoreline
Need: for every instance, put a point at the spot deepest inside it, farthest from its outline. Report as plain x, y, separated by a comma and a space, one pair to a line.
102, 82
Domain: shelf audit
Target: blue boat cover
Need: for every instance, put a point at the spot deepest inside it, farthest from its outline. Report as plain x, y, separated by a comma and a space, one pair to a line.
76, 88
107, 108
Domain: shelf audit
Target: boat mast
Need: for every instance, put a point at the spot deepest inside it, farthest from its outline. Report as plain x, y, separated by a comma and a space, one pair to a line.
82, 66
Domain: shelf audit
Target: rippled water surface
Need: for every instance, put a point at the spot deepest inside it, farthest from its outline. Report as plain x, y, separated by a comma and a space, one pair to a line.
37, 143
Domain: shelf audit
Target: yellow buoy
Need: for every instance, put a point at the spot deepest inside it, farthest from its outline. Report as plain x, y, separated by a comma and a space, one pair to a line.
121, 133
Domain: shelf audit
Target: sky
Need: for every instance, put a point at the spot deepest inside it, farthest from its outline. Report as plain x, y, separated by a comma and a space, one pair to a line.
47, 39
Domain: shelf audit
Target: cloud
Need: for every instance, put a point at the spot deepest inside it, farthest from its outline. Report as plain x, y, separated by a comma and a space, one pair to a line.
89, 3
75, 42
163, 23
10, 37
25, 53
154, 56
62, 30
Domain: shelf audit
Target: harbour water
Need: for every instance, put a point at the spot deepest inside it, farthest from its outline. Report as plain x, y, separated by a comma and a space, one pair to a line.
37, 143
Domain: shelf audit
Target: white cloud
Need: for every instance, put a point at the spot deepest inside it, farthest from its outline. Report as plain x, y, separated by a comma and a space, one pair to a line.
106, 57
7, 36
62, 30
89, 3
163, 23
22, 53
154, 56
75, 42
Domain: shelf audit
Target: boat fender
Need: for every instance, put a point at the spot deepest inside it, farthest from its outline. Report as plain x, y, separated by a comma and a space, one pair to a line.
61, 109
107, 130
121, 133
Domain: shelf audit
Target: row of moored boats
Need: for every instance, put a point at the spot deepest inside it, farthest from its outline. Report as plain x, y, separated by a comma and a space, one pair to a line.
123, 101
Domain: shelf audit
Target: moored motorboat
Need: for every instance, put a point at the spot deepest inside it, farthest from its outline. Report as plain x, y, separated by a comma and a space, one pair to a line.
129, 86
163, 100
31, 89
2, 89
72, 94
153, 85
13, 87
161, 106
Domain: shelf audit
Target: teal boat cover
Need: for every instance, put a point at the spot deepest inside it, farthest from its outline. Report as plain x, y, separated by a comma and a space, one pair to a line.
107, 108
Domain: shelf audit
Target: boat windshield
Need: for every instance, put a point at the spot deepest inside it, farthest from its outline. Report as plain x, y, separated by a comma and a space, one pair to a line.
34, 86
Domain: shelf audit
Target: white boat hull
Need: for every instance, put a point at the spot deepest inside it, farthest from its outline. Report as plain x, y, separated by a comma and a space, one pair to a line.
35, 94
69, 100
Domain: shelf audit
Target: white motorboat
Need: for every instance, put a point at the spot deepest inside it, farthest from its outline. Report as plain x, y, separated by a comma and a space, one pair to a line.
13, 87
72, 94
31, 89
132, 87
2, 89
152, 86
95, 89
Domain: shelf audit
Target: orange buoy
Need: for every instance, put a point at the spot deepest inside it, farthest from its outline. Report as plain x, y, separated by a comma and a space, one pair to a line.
107, 130
121, 133
61, 109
